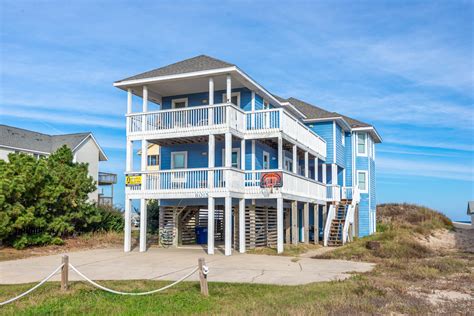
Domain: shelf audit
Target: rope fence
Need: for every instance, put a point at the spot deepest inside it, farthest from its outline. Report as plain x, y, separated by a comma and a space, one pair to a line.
65, 265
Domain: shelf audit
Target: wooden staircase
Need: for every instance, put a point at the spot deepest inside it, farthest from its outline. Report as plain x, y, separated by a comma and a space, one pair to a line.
337, 224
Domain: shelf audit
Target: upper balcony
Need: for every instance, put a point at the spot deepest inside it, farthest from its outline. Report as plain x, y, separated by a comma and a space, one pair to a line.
219, 119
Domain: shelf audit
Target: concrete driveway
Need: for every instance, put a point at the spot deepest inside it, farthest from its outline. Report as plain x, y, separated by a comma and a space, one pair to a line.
172, 264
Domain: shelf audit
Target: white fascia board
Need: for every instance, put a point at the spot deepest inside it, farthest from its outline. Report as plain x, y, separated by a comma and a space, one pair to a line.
294, 108
372, 130
133, 82
343, 122
102, 153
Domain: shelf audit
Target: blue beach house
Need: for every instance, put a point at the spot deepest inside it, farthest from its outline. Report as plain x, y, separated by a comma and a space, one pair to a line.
249, 168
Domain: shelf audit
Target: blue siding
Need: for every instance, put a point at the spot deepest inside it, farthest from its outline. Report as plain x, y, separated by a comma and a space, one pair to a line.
258, 102
362, 163
202, 98
325, 130
340, 156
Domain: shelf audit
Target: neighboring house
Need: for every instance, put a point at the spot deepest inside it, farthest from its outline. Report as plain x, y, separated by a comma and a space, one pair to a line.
224, 139
470, 211
153, 157
83, 145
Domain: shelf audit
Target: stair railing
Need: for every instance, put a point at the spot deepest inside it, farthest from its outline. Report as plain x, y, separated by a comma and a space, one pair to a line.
349, 220
327, 229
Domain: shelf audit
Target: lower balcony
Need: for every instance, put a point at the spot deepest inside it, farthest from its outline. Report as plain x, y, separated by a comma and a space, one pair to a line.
220, 182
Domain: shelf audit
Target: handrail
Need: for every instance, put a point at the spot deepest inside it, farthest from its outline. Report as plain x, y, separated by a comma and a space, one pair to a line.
183, 170
302, 125
327, 228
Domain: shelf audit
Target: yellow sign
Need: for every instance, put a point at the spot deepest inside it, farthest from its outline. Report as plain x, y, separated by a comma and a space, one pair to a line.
133, 180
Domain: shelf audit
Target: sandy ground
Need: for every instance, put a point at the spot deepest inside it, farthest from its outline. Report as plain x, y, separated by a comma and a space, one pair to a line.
445, 240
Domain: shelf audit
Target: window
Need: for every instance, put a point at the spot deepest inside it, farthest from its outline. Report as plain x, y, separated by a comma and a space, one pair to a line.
362, 144
153, 160
288, 164
234, 98
343, 138
179, 103
362, 181
235, 158
266, 160
179, 160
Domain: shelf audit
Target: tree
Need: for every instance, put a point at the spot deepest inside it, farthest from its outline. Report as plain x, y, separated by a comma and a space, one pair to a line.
43, 200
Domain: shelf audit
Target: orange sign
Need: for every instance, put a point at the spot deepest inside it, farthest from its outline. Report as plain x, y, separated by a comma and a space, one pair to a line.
271, 179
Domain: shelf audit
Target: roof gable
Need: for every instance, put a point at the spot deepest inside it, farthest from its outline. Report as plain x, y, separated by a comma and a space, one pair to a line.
198, 63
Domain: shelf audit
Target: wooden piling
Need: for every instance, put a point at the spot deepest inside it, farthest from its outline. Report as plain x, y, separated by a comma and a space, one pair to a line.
64, 273
203, 277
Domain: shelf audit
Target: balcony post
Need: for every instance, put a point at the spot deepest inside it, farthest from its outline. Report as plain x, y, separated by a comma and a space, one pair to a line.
228, 89
334, 173
242, 225
306, 164
280, 152
242, 154
144, 107
323, 170
316, 223
228, 225
210, 225
295, 159
143, 224
294, 222
211, 101
127, 240
316, 169
211, 159
228, 150
144, 160
129, 101
279, 225
306, 223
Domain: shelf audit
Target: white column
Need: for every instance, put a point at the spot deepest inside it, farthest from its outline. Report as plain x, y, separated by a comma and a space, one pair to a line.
252, 104
280, 152
334, 173
306, 223
145, 98
144, 160
279, 225
211, 156
129, 156
242, 154
129, 101
210, 225
229, 88
316, 171
228, 150
211, 101
306, 164
228, 225
143, 217
127, 240
242, 225
323, 170
253, 155
295, 160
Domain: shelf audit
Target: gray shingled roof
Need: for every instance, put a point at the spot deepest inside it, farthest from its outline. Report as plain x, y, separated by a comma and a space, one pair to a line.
29, 140
198, 63
314, 112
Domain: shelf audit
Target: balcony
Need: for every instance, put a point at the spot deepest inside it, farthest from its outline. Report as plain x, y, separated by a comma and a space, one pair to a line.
221, 118
203, 182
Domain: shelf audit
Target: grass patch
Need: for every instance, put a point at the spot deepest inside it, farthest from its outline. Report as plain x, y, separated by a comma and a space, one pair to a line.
289, 250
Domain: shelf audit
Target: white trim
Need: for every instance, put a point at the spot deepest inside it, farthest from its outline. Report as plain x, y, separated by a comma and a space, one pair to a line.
335, 118
234, 150
369, 129
266, 153
185, 159
343, 138
365, 153
334, 143
27, 150
232, 94
252, 104
96, 143
366, 182
174, 101
285, 160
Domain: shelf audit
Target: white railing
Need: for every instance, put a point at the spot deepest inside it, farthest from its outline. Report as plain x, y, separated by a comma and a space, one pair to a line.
350, 193
333, 192
197, 117
292, 184
327, 228
263, 121
195, 179
349, 220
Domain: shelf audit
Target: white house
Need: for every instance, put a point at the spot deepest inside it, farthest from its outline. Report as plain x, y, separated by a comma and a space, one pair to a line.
83, 145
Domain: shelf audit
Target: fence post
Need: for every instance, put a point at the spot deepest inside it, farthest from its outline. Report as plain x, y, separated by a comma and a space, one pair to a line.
203, 277
65, 273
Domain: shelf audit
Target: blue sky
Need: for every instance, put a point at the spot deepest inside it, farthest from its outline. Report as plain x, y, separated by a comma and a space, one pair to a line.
404, 66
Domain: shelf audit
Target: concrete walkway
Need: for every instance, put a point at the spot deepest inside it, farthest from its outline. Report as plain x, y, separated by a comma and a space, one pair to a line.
171, 264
